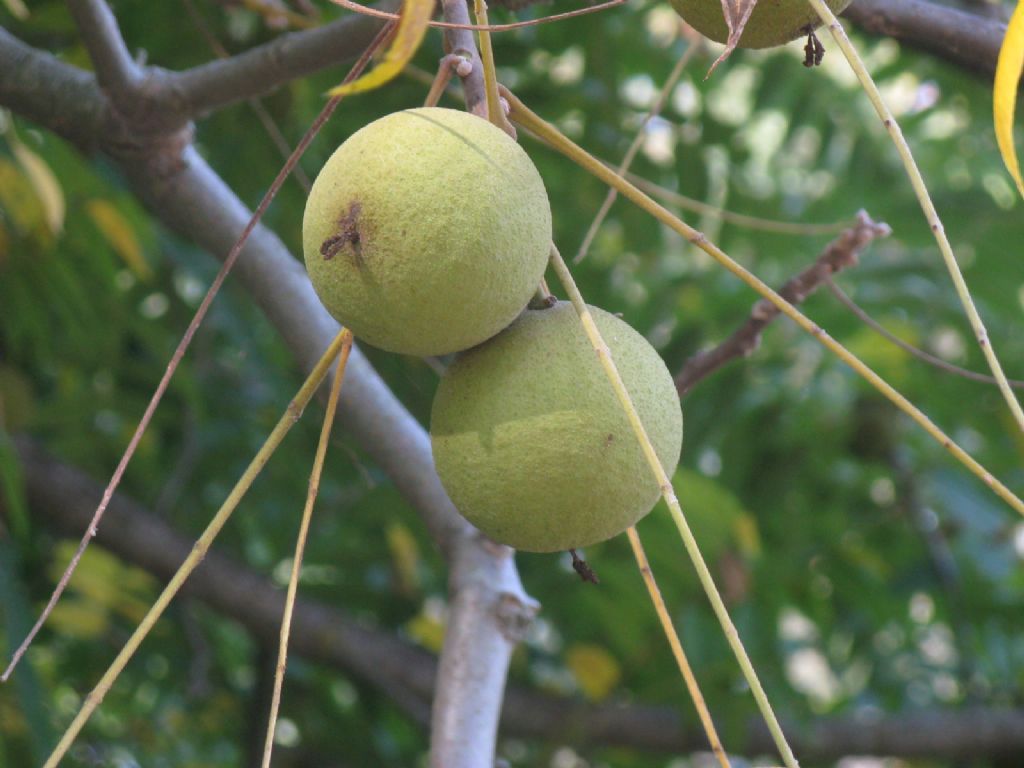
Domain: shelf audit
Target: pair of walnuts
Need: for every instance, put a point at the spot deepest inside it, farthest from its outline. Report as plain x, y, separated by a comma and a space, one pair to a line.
427, 233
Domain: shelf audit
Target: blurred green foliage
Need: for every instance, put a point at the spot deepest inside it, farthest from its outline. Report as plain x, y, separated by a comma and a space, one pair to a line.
798, 477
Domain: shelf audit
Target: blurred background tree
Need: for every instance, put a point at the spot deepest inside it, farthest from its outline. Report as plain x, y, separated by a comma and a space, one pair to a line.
878, 585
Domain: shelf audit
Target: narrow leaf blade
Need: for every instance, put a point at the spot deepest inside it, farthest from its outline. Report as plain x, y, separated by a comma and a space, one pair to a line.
45, 184
120, 235
1008, 73
412, 27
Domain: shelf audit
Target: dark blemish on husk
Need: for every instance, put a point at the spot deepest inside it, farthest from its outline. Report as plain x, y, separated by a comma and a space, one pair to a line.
348, 235
814, 51
585, 571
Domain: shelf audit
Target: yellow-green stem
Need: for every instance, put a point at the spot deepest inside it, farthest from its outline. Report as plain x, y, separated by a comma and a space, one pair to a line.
638, 140
930, 213
668, 493
739, 219
300, 542
677, 647
199, 550
494, 111
522, 115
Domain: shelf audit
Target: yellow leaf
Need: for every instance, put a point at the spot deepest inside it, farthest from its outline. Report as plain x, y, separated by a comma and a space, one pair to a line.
745, 528
17, 8
1008, 72
405, 557
412, 26
16, 200
79, 619
595, 670
881, 354
106, 583
718, 518
44, 183
119, 233
427, 630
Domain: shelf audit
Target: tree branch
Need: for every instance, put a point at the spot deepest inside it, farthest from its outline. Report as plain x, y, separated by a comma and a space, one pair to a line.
262, 69
64, 498
116, 72
966, 39
462, 42
57, 96
744, 341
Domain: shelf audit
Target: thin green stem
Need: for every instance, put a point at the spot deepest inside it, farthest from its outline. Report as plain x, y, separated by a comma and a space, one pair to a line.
638, 140
930, 213
677, 647
300, 543
522, 115
604, 356
739, 219
199, 550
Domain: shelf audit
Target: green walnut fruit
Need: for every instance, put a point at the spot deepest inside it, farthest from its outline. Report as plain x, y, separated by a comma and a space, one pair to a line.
773, 22
531, 442
427, 231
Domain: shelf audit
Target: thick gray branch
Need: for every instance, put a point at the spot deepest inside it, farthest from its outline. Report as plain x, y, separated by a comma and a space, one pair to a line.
462, 41
116, 72
966, 39
64, 497
264, 68
61, 98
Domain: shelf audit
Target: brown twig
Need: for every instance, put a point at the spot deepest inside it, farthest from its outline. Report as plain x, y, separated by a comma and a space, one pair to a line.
840, 254
451, 64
